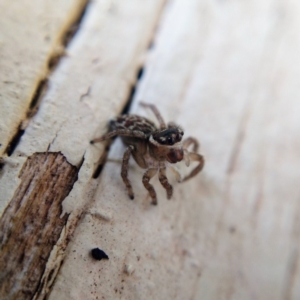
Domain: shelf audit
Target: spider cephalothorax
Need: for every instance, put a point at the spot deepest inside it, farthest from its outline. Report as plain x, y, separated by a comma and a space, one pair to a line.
172, 153
151, 147
169, 136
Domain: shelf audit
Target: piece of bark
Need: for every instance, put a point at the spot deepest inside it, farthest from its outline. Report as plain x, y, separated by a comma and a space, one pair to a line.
32, 223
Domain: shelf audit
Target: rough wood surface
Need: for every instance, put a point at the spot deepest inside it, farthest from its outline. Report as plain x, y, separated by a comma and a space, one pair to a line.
227, 72
30, 36
31, 224
91, 84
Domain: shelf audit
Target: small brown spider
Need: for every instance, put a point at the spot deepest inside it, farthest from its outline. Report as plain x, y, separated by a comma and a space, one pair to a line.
153, 149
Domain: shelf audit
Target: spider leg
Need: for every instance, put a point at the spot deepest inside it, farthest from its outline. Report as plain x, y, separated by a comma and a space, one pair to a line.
194, 157
176, 173
186, 143
165, 183
146, 178
124, 171
156, 113
121, 132
191, 141
186, 157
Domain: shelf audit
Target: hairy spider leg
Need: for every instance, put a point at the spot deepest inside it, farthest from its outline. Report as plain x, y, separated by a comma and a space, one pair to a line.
157, 114
165, 183
191, 141
176, 173
146, 178
124, 171
121, 132
194, 157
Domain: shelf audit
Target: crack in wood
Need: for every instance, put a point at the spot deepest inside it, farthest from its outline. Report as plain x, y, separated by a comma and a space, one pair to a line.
14, 141
103, 157
86, 94
73, 29
42, 85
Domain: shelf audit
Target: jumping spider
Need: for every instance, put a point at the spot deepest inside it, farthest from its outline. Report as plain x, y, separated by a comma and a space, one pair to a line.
153, 149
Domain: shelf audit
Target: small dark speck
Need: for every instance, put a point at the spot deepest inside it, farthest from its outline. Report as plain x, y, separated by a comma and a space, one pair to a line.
232, 229
131, 197
98, 254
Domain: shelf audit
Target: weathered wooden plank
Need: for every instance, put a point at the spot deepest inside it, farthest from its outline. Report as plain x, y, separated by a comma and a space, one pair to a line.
30, 36
151, 249
90, 85
228, 72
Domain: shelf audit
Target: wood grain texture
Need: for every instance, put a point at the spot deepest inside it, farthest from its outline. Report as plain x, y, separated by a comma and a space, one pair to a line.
32, 223
91, 84
30, 36
228, 73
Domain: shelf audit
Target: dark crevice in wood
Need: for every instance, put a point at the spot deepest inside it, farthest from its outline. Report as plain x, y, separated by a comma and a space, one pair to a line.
14, 141
67, 38
73, 29
42, 86
31, 224
40, 91
152, 41
102, 160
142, 68
2, 164
139, 75
98, 170
125, 110
129, 99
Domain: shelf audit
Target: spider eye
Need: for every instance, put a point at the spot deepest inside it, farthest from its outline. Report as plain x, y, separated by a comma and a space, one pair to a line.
170, 140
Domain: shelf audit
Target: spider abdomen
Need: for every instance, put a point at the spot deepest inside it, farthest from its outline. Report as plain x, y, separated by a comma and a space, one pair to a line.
133, 123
